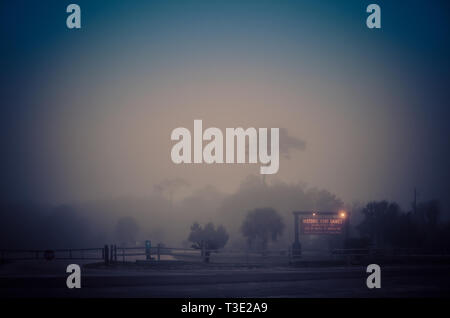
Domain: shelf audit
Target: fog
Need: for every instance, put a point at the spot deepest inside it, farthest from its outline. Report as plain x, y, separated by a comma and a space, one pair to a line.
86, 117
158, 218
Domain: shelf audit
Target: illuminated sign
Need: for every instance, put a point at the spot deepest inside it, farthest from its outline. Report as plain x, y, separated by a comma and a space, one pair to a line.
318, 226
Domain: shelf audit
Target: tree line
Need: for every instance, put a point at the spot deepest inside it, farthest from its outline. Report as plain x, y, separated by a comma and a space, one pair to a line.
383, 225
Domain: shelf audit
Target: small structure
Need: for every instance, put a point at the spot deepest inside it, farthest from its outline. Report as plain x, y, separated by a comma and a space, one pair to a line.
148, 248
317, 223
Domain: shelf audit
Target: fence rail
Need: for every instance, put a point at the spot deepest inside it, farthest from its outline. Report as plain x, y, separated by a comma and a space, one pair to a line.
113, 253
59, 254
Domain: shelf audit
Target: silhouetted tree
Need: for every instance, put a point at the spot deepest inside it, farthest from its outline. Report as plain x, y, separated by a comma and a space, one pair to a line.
380, 222
262, 224
126, 230
429, 212
426, 219
386, 226
208, 237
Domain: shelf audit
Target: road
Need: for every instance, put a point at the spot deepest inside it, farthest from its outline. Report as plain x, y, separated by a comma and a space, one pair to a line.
49, 280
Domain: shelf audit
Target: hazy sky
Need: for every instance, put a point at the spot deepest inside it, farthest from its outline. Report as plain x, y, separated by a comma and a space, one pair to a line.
88, 113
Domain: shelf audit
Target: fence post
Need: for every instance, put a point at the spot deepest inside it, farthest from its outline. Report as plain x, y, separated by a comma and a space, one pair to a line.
115, 252
207, 255
106, 254
111, 254
159, 251
205, 252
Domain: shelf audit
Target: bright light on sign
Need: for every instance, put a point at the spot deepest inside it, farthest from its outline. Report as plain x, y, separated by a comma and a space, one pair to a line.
317, 226
342, 214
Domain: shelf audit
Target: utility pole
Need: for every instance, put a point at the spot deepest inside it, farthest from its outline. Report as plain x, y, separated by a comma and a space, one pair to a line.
415, 201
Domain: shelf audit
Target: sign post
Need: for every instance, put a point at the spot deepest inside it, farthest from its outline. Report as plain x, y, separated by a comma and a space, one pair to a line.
296, 246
